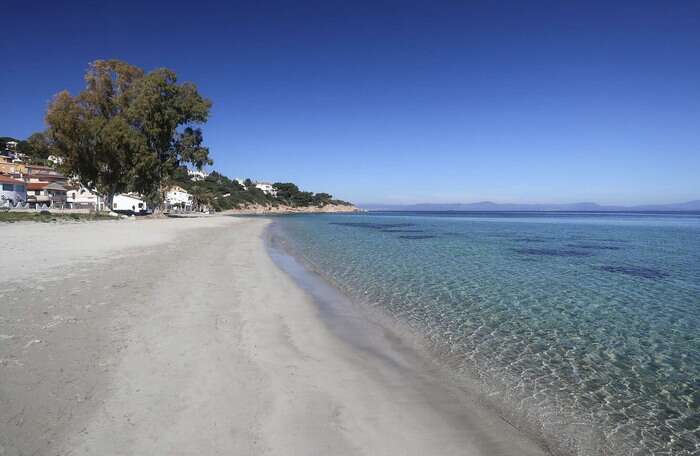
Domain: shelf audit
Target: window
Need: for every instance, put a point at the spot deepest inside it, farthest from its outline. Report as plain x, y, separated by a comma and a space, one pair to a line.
114, 206
8, 187
140, 205
19, 188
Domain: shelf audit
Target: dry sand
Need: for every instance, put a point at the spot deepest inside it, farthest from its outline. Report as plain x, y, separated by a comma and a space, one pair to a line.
183, 337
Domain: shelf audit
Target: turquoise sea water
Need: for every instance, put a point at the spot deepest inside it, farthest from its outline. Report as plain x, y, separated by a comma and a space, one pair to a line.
582, 329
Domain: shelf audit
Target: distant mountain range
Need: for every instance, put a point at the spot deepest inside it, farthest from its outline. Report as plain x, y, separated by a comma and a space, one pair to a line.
689, 206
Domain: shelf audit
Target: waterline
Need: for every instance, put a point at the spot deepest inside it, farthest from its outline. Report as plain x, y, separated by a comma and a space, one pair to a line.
396, 356
596, 351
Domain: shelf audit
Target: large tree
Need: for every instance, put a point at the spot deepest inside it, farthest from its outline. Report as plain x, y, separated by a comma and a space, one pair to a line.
128, 130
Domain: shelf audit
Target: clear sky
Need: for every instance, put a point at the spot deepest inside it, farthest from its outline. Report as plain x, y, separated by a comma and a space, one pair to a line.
401, 102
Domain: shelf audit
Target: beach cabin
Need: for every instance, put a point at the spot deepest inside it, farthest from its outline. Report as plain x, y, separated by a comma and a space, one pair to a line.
129, 204
12, 191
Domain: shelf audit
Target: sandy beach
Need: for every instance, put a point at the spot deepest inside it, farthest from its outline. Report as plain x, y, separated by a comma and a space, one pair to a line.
184, 337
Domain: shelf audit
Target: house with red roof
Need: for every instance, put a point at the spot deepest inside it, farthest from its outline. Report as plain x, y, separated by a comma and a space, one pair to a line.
51, 194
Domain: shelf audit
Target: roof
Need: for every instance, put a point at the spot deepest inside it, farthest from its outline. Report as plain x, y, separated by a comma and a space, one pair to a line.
55, 186
41, 167
57, 176
9, 180
135, 196
37, 185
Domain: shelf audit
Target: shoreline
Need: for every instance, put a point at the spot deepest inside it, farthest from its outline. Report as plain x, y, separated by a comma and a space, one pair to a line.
402, 350
184, 337
487, 394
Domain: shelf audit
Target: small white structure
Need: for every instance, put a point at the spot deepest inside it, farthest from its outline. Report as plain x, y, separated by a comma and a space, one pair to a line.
267, 188
79, 197
12, 191
197, 175
178, 197
130, 204
55, 159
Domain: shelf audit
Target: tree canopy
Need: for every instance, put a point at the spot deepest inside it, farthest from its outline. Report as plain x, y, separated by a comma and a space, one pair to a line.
128, 130
289, 194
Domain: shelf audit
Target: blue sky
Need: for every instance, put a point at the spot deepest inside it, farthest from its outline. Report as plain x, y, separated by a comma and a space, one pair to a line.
401, 102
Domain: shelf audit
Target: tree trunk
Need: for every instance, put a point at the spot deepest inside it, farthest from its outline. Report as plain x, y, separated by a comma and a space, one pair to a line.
108, 200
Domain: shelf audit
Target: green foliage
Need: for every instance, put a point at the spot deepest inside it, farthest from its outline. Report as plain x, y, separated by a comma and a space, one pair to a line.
35, 149
47, 216
285, 190
222, 193
4, 140
128, 130
289, 194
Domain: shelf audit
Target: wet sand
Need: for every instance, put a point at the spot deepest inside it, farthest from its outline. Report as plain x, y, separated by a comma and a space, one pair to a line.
185, 337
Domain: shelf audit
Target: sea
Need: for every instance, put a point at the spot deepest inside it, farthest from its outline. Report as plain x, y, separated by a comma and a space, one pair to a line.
580, 329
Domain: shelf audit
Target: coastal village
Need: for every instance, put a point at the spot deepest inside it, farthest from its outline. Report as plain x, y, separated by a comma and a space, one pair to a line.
29, 187
38, 187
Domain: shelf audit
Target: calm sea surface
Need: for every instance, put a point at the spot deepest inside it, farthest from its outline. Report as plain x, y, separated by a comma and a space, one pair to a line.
583, 329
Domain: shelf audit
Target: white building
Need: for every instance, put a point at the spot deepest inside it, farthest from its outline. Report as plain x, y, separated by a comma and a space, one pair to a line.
12, 191
79, 197
267, 188
178, 197
130, 204
197, 175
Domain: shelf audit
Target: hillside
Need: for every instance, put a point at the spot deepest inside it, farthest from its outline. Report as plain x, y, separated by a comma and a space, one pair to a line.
224, 194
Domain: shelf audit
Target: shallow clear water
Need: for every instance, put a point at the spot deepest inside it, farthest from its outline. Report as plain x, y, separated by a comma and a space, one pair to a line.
582, 329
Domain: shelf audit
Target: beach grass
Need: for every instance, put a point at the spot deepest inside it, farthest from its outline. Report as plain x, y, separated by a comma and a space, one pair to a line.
46, 217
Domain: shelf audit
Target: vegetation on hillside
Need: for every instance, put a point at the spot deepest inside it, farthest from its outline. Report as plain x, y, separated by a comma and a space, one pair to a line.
35, 149
222, 193
290, 195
